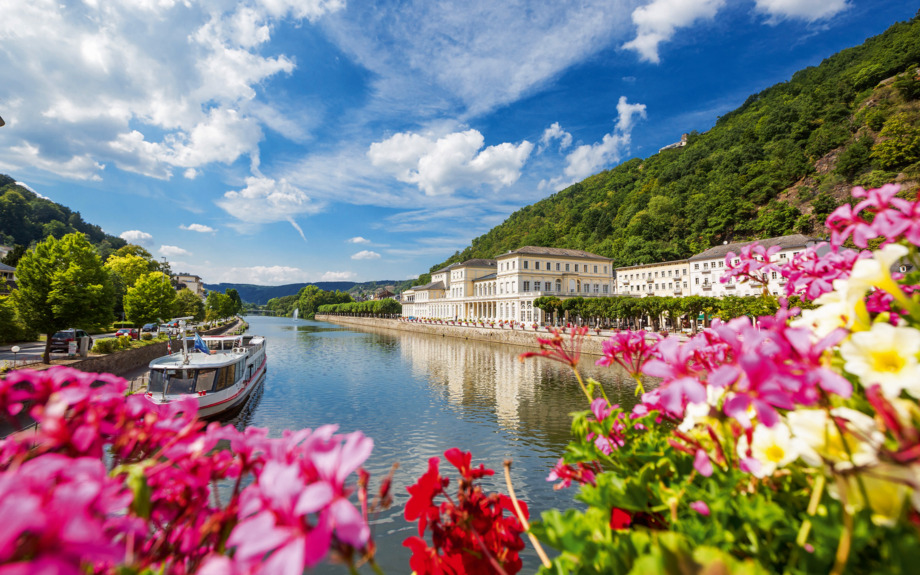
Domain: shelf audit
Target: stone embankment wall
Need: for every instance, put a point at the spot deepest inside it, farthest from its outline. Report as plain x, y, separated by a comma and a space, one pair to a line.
124, 361
517, 336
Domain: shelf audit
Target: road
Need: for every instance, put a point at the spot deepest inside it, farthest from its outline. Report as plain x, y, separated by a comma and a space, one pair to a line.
34, 350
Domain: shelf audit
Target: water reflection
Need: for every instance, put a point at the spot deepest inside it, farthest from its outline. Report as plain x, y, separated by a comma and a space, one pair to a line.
418, 395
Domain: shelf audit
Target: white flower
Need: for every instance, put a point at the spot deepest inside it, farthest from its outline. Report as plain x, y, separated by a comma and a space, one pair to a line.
835, 309
817, 439
773, 447
886, 486
697, 412
885, 355
876, 271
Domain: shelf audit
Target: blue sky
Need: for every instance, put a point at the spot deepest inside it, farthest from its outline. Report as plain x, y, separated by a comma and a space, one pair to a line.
282, 141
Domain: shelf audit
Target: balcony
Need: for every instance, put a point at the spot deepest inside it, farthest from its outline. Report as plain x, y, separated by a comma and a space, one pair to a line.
650, 280
730, 286
706, 272
707, 287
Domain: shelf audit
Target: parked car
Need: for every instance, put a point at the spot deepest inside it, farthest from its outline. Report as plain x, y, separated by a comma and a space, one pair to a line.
129, 331
60, 341
150, 328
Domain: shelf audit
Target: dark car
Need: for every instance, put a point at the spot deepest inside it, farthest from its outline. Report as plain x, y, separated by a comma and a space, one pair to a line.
60, 341
128, 331
150, 328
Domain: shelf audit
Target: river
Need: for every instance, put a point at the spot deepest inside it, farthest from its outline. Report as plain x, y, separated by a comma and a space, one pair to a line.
417, 396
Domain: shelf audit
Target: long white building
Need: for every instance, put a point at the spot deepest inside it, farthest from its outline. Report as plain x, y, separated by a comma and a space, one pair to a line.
505, 288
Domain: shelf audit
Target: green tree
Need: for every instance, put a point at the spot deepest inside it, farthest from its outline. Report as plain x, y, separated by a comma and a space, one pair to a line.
189, 305
129, 266
218, 306
235, 298
61, 284
151, 299
899, 142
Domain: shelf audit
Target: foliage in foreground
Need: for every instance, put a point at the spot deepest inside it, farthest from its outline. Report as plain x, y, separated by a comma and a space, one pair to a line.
793, 447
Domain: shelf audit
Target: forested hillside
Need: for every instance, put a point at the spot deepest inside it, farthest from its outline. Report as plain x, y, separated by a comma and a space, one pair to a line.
26, 217
777, 165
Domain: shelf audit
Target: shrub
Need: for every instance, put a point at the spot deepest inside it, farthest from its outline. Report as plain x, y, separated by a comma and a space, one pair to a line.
146, 336
105, 346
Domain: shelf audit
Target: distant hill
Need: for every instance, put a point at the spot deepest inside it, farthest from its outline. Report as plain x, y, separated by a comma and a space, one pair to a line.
777, 165
260, 295
26, 218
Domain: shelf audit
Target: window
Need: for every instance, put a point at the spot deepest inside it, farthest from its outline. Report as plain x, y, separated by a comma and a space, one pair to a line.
587, 288
697, 281
597, 288
605, 269
526, 285
705, 265
696, 266
576, 267
606, 288
595, 269
685, 271
557, 266
566, 267
536, 265
525, 264
548, 286
772, 275
783, 256
685, 284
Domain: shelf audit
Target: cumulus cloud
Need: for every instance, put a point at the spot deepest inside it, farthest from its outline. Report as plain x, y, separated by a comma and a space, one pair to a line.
555, 132
173, 251
265, 275
657, 22
807, 10
365, 255
151, 86
265, 200
358, 240
337, 276
589, 159
137, 237
440, 166
201, 228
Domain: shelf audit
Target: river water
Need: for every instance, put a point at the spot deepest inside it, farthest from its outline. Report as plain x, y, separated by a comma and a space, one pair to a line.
418, 395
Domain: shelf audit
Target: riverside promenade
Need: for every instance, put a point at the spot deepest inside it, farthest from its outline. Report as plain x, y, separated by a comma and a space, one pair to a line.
523, 337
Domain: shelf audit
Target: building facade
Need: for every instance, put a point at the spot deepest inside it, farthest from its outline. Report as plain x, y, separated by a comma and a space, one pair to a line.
192, 282
668, 279
706, 268
505, 288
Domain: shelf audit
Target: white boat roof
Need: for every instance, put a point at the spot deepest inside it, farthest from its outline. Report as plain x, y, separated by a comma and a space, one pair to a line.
198, 360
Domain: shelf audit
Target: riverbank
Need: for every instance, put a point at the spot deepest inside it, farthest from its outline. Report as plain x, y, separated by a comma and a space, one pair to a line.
592, 345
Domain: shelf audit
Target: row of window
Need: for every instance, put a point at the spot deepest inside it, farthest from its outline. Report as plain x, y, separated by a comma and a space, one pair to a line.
671, 273
548, 266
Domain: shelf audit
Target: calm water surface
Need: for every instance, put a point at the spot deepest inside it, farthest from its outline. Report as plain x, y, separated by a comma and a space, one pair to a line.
419, 395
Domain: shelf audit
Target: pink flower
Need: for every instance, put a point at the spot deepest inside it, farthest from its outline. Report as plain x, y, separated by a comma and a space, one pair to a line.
700, 507
702, 463
631, 350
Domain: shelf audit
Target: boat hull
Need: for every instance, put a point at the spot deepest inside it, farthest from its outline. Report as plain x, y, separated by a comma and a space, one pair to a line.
222, 408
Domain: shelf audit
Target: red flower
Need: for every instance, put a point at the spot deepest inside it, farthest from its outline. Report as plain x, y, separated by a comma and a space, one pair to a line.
620, 519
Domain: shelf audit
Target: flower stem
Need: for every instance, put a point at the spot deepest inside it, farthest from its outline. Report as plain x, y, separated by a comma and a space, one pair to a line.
843, 549
520, 515
582, 384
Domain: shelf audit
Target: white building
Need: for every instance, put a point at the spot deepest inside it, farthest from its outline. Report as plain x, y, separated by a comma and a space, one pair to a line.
505, 288
706, 268
668, 279
192, 282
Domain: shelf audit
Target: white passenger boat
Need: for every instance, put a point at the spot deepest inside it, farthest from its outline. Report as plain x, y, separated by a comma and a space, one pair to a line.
219, 371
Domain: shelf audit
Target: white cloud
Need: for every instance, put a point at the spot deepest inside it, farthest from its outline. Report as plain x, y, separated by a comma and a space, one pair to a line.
589, 159
201, 228
555, 132
337, 276
443, 165
657, 22
149, 86
264, 275
358, 240
265, 200
137, 237
173, 251
808, 10
365, 255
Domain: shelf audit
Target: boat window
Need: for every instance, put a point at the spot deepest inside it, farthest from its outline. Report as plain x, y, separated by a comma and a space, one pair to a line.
180, 381
157, 381
226, 377
205, 380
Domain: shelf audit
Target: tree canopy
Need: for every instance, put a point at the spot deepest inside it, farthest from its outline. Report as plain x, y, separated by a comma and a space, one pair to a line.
151, 299
61, 284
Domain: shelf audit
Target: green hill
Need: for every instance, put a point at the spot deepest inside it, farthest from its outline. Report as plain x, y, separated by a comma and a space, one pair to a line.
777, 165
26, 218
